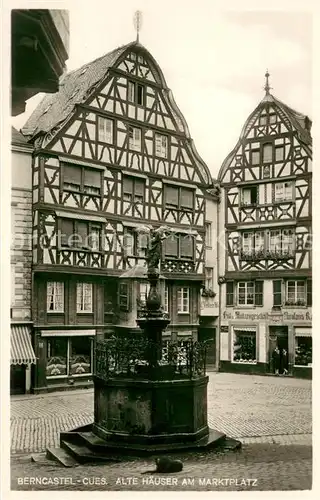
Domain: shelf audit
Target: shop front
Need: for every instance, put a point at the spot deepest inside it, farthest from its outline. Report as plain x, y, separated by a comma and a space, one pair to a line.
208, 324
65, 359
21, 358
275, 342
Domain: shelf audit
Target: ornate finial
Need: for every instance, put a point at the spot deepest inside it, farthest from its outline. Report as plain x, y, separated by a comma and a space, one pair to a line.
137, 21
267, 87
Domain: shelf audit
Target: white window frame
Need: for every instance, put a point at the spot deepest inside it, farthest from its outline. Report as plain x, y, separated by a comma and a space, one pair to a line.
161, 145
296, 297
84, 294
246, 289
105, 129
283, 191
68, 356
235, 333
259, 243
247, 242
209, 277
275, 240
208, 229
144, 289
135, 134
57, 296
183, 302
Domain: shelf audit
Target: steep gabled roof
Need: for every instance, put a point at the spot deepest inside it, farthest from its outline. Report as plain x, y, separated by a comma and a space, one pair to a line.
75, 87
17, 139
298, 121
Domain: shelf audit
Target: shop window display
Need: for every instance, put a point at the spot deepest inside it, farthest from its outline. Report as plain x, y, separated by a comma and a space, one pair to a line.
244, 347
57, 357
69, 356
303, 351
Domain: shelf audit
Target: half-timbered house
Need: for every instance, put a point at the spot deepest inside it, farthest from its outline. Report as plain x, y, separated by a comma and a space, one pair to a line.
265, 268
113, 153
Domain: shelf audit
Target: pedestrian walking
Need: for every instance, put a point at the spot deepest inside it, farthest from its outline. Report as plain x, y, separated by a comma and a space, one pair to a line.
284, 362
276, 360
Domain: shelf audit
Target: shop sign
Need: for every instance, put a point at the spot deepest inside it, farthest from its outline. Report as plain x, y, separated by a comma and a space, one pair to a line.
272, 317
209, 306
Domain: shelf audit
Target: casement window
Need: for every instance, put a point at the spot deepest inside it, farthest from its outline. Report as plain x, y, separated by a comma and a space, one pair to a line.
245, 345
82, 180
55, 296
283, 191
69, 356
80, 234
250, 293
259, 241
143, 293
208, 229
249, 195
179, 246
84, 297
267, 153
281, 241
209, 278
179, 198
161, 145
183, 300
229, 293
166, 298
133, 189
247, 242
105, 130
255, 157
136, 93
124, 296
279, 153
135, 244
296, 292
134, 138
245, 293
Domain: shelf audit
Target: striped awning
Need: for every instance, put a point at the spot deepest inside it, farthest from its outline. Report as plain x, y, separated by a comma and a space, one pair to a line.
303, 332
22, 352
245, 329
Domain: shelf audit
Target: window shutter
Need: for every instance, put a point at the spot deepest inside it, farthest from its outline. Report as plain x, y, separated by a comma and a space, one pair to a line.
186, 198
172, 195
92, 178
171, 246
230, 293
127, 185
309, 292
186, 246
72, 174
82, 235
277, 293
66, 232
139, 187
258, 293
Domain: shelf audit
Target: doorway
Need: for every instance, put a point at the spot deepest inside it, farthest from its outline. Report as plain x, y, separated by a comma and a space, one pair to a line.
17, 379
208, 334
278, 338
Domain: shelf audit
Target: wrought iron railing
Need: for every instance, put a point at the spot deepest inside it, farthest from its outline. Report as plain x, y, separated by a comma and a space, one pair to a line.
130, 358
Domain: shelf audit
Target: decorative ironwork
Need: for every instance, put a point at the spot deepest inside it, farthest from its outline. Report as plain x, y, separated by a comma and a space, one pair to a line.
128, 358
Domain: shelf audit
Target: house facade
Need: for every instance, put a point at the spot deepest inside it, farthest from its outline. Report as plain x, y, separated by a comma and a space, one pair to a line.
113, 154
266, 263
22, 356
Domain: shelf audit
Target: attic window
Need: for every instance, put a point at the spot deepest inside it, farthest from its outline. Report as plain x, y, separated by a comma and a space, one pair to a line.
83, 71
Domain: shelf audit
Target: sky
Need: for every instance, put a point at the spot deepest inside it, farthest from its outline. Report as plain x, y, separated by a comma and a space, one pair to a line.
213, 61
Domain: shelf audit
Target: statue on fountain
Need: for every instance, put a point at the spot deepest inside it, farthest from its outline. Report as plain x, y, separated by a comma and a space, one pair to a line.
154, 251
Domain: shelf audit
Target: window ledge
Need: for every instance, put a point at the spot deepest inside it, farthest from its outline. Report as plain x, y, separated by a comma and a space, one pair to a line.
303, 366
244, 362
55, 312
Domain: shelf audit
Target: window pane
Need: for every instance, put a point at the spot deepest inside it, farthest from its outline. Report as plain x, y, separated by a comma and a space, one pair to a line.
131, 87
172, 195
244, 346
55, 296
84, 297
186, 198
267, 153
255, 157
94, 240
263, 120
129, 242
57, 357
127, 185
67, 230
303, 351
279, 153
82, 234
80, 356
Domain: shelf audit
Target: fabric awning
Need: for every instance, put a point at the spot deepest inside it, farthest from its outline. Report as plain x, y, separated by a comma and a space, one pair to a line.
72, 215
245, 329
67, 333
303, 332
22, 352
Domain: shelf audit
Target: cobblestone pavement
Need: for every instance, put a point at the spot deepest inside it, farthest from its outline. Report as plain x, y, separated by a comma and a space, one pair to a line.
253, 408
256, 467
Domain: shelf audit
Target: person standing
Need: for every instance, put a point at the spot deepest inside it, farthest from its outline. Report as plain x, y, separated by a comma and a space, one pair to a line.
276, 360
284, 362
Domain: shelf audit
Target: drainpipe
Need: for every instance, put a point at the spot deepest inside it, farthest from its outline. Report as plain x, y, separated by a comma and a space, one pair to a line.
218, 272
